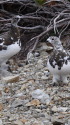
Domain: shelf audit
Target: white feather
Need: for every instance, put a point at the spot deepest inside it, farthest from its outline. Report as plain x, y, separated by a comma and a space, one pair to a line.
11, 51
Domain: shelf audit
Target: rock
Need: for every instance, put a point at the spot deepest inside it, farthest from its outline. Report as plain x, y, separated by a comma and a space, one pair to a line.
46, 122
34, 102
40, 64
58, 123
6, 90
11, 79
23, 120
1, 123
0, 93
40, 61
41, 95
62, 109
69, 122
18, 122
1, 106
38, 110
18, 103
59, 109
36, 54
18, 94
23, 87
54, 109
38, 123
44, 77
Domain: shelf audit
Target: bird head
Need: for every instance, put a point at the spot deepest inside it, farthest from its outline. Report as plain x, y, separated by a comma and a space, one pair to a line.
15, 20
54, 41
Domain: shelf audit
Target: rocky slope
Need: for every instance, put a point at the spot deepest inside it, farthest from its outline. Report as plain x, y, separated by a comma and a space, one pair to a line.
29, 98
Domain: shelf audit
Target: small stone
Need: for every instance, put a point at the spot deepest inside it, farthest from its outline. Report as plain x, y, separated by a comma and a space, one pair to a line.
40, 61
44, 77
41, 95
19, 103
37, 110
47, 102
23, 120
58, 123
11, 79
0, 93
40, 64
54, 109
59, 109
1, 122
1, 106
6, 90
34, 102
38, 123
18, 122
37, 54
46, 122
62, 109
23, 87
69, 122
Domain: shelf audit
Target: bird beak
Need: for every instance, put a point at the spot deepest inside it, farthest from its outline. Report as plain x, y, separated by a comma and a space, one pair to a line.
48, 40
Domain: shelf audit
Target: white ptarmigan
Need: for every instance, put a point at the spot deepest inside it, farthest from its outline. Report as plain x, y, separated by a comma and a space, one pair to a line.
10, 43
58, 62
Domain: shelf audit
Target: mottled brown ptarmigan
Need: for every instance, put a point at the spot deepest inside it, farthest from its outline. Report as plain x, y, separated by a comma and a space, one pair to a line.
10, 43
59, 61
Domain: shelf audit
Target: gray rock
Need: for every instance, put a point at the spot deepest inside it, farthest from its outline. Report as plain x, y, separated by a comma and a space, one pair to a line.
41, 95
18, 103
36, 54
1, 123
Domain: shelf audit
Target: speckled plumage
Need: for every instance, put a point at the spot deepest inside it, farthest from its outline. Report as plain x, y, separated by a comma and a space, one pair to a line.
10, 43
59, 61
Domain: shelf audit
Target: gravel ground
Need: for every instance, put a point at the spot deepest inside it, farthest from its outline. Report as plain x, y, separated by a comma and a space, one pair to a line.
31, 100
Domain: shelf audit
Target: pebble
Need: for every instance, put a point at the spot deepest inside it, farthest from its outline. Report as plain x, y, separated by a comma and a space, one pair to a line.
41, 95
11, 79
1, 123
59, 109
55, 109
69, 122
62, 109
40, 64
44, 77
36, 54
18, 122
18, 102
34, 102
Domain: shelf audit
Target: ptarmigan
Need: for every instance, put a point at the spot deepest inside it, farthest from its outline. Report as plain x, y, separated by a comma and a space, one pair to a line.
59, 61
10, 43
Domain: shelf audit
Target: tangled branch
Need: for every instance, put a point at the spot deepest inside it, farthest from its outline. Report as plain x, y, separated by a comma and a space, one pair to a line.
36, 22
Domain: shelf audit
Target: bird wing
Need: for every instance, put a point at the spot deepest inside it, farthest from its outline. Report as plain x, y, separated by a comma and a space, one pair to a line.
59, 58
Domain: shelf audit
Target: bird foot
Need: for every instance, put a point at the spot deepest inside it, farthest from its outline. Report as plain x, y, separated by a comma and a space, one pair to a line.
60, 83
